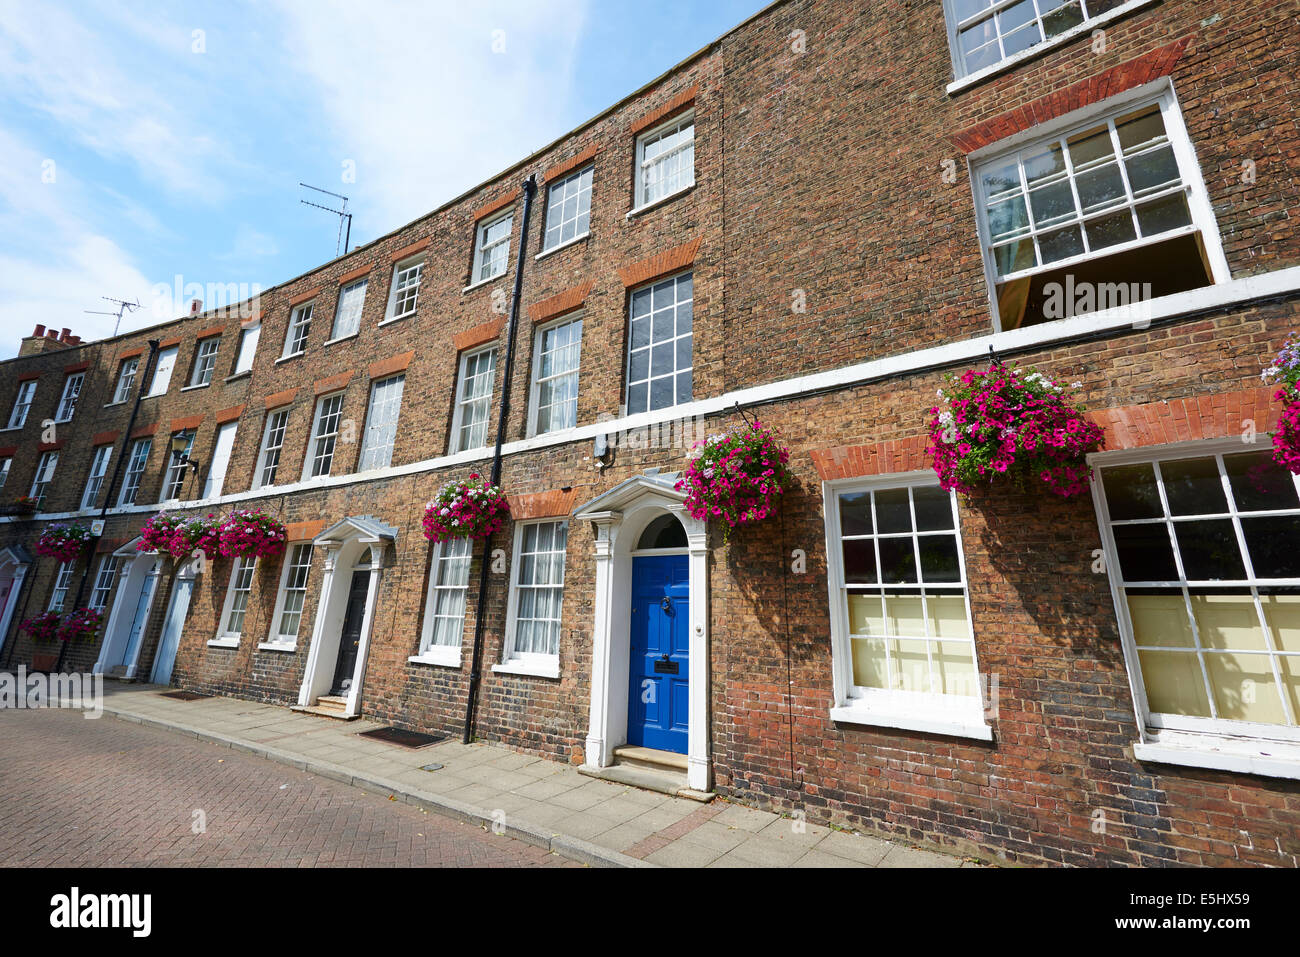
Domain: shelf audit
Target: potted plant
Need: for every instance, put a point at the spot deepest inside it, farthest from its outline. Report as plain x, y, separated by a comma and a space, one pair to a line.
465, 509
735, 477
1284, 372
1012, 423
248, 534
164, 533
63, 541
44, 629
81, 624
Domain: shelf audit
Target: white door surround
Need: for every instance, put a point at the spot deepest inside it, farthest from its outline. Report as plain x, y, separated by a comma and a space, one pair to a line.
358, 542
143, 571
14, 564
620, 516
178, 607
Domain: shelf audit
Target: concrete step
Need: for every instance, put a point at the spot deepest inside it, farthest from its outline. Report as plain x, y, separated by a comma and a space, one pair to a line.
665, 782
650, 758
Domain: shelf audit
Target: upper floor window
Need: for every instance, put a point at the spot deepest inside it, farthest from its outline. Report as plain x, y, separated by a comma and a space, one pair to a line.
493, 247
248, 338
103, 587
162, 373
222, 446
1111, 212
405, 289
95, 480
659, 345
568, 209
205, 360
347, 314
295, 340
49, 461
324, 436
178, 467
555, 377
381, 423
983, 33
665, 160
126, 379
135, 465
22, 404
473, 400
68, 401
5, 464
268, 460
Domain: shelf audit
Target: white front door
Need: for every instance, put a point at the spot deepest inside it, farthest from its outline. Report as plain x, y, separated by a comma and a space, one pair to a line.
171, 636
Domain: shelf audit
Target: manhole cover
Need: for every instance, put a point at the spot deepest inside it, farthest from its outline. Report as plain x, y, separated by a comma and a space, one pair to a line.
185, 695
407, 739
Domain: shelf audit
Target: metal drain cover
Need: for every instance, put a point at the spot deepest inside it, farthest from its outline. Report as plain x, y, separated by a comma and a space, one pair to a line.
407, 739
185, 695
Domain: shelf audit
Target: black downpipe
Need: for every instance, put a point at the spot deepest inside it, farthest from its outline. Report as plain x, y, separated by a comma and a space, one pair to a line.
530, 188
112, 483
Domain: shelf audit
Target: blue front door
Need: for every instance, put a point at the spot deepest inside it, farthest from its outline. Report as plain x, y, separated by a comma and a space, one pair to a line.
657, 683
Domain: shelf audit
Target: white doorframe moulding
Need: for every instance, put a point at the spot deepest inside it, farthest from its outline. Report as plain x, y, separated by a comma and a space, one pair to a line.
620, 516
21, 561
1235, 292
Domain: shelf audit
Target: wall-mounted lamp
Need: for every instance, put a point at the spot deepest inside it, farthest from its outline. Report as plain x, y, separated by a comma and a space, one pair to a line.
181, 443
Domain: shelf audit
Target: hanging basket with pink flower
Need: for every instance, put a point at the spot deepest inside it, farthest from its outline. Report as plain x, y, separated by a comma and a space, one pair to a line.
81, 624
63, 541
1284, 372
249, 534
43, 628
165, 534
473, 508
735, 477
1014, 424
202, 535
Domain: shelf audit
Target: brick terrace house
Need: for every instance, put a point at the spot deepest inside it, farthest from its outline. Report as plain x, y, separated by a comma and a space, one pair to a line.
809, 221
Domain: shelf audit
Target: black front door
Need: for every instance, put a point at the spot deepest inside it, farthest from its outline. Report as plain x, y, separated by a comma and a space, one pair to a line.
350, 638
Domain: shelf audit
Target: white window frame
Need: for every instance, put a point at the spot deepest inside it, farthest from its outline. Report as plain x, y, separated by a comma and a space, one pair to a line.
275, 428
483, 253
440, 654
126, 374
177, 468
290, 567
644, 166
240, 583
95, 477
49, 461
22, 404
335, 333
1159, 92
318, 439
62, 585
105, 578
379, 438
72, 386
1251, 747
530, 662
249, 337
402, 286
535, 393
295, 337
462, 402
205, 361
162, 372
6, 464
132, 477
628, 381
933, 712
556, 194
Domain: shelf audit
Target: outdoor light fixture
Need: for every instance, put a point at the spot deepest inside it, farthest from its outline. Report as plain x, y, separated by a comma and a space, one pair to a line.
180, 444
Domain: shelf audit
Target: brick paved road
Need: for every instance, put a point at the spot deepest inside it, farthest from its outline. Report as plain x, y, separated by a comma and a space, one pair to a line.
105, 792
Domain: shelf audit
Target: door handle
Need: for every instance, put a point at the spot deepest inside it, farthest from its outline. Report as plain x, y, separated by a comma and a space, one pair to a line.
666, 604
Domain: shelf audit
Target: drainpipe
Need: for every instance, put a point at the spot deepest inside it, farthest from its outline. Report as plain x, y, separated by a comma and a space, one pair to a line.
112, 484
530, 188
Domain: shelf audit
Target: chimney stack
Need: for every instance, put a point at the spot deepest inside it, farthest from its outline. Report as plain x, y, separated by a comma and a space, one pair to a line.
196, 307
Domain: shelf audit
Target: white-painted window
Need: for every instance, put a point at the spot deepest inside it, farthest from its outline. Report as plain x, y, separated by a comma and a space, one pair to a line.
473, 400
5, 464
659, 359
1100, 214
555, 376
324, 435
293, 593
492, 250
177, 469
536, 592
135, 465
295, 340
241, 584
104, 579
44, 476
221, 449
205, 360
902, 645
248, 339
444, 607
22, 404
1201, 553
62, 583
68, 401
268, 460
405, 289
95, 480
665, 160
162, 373
126, 379
568, 208
381, 423
347, 315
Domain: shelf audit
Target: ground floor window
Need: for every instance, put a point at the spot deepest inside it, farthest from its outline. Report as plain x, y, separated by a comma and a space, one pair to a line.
444, 609
241, 584
62, 583
536, 594
104, 582
1202, 552
293, 593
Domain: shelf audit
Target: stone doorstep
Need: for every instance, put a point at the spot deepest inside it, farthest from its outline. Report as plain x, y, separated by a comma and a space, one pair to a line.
647, 779
323, 712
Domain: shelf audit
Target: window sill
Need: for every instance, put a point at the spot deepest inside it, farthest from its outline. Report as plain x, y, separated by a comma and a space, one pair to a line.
239, 375
535, 669
110, 405
156, 395
1280, 760
274, 646
392, 319
292, 355
330, 342
1011, 62
956, 723
485, 282
224, 642
660, 201
195, 388
564, 245
442, 658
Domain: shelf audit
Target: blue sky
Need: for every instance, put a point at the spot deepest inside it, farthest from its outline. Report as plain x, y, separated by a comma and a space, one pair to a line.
143, 141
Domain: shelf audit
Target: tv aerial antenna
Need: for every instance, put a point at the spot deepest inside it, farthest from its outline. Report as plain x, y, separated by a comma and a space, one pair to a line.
122, 306
344, 238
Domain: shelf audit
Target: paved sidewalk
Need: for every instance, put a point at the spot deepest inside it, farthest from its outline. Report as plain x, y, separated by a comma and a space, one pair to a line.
542, 802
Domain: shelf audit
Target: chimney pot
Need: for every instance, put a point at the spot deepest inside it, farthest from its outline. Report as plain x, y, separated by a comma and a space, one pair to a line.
52, 334
196, 307
40, 331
